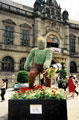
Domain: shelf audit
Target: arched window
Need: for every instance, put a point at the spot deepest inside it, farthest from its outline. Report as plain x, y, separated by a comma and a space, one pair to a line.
72, 43
73, 67
52, 41
7, 64
22, 61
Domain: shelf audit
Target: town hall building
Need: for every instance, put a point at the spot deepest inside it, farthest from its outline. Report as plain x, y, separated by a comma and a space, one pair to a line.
20, 27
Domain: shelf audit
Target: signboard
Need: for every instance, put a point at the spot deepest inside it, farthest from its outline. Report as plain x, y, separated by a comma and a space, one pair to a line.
35, 109
58, 50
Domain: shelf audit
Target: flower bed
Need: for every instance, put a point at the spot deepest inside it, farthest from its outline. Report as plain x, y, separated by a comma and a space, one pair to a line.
40, 103
39, 92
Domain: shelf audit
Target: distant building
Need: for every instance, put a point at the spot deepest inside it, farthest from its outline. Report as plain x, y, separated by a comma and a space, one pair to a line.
20, 27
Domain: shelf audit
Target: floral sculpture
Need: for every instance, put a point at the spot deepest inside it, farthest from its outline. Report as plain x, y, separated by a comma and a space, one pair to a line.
42, 60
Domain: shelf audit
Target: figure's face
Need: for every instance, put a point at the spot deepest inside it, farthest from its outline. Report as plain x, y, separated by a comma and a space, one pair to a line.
41, 44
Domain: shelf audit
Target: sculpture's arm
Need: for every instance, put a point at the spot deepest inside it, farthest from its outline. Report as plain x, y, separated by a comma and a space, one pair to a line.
48, 60
29, 59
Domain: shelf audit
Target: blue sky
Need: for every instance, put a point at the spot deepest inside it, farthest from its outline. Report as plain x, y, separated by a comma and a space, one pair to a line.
72, 6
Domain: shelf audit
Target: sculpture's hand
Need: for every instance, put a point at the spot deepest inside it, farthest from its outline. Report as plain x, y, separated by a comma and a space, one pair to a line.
45, 71
28, 68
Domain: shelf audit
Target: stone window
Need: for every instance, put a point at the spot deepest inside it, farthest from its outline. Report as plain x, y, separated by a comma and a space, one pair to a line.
72, 43
9, 35
52, 11
73, 67
25, 38
22, 61
48, 12
7, 64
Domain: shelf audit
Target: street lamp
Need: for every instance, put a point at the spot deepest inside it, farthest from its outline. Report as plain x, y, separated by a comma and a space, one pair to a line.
13, 77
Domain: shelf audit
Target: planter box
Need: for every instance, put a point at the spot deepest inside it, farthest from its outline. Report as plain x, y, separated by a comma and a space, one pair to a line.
37, 109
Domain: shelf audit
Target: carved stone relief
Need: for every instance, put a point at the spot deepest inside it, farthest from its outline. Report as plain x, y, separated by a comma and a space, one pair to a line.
9, 21
25, 25
52, 27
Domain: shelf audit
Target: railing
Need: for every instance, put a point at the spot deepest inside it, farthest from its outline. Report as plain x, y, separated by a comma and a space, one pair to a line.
16, 10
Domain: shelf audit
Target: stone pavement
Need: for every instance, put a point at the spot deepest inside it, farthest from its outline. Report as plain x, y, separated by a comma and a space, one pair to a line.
4, 105
72, 107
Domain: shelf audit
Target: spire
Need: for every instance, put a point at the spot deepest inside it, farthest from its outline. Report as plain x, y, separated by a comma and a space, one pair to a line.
41, 2
54, 2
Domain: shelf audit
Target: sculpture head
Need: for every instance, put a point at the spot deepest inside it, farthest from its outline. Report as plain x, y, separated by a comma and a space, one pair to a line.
41, 43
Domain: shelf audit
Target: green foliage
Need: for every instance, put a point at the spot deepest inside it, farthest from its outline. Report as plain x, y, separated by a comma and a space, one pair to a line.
63, 72
22, 77
61, 81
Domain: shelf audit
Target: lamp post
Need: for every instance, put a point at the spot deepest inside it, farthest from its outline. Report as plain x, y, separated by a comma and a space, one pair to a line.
33, 35
13, 78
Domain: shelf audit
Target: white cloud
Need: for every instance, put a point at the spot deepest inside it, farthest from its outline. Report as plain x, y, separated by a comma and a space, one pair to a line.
72, 6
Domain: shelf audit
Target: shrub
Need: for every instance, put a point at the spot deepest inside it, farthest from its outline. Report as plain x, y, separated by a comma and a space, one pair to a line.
22, 77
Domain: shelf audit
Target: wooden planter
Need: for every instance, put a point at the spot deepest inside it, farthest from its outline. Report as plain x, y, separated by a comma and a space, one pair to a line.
37, 109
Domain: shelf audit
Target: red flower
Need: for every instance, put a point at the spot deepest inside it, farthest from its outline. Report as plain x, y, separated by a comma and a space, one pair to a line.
54, 93
25, 89
19, 91
38, 87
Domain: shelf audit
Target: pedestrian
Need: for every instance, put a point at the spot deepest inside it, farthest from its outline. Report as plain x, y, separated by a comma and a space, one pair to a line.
75, 80
76, 84
3, 89
71, 86
6, 83
42, 81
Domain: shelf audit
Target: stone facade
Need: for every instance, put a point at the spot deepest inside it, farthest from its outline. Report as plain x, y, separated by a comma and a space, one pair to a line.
39, 22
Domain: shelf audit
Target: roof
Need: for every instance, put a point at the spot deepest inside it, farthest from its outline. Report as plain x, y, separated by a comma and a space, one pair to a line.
12, 3
73, 21
73, 24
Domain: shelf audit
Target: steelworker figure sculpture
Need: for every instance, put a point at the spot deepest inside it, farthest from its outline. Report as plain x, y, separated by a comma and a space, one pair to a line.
42, 60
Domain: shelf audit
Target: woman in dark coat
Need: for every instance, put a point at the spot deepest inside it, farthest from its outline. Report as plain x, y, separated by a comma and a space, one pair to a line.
3, 89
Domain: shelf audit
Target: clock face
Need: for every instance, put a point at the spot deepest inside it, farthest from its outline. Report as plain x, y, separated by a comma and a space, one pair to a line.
53, 39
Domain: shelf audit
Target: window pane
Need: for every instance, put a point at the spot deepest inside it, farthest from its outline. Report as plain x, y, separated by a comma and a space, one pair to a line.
25, 38
72, 45
8, 35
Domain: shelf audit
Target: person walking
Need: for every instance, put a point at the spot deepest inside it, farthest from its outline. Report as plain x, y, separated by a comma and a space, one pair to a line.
71, 86
6, 83
3, 89
75, 80
76, 84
